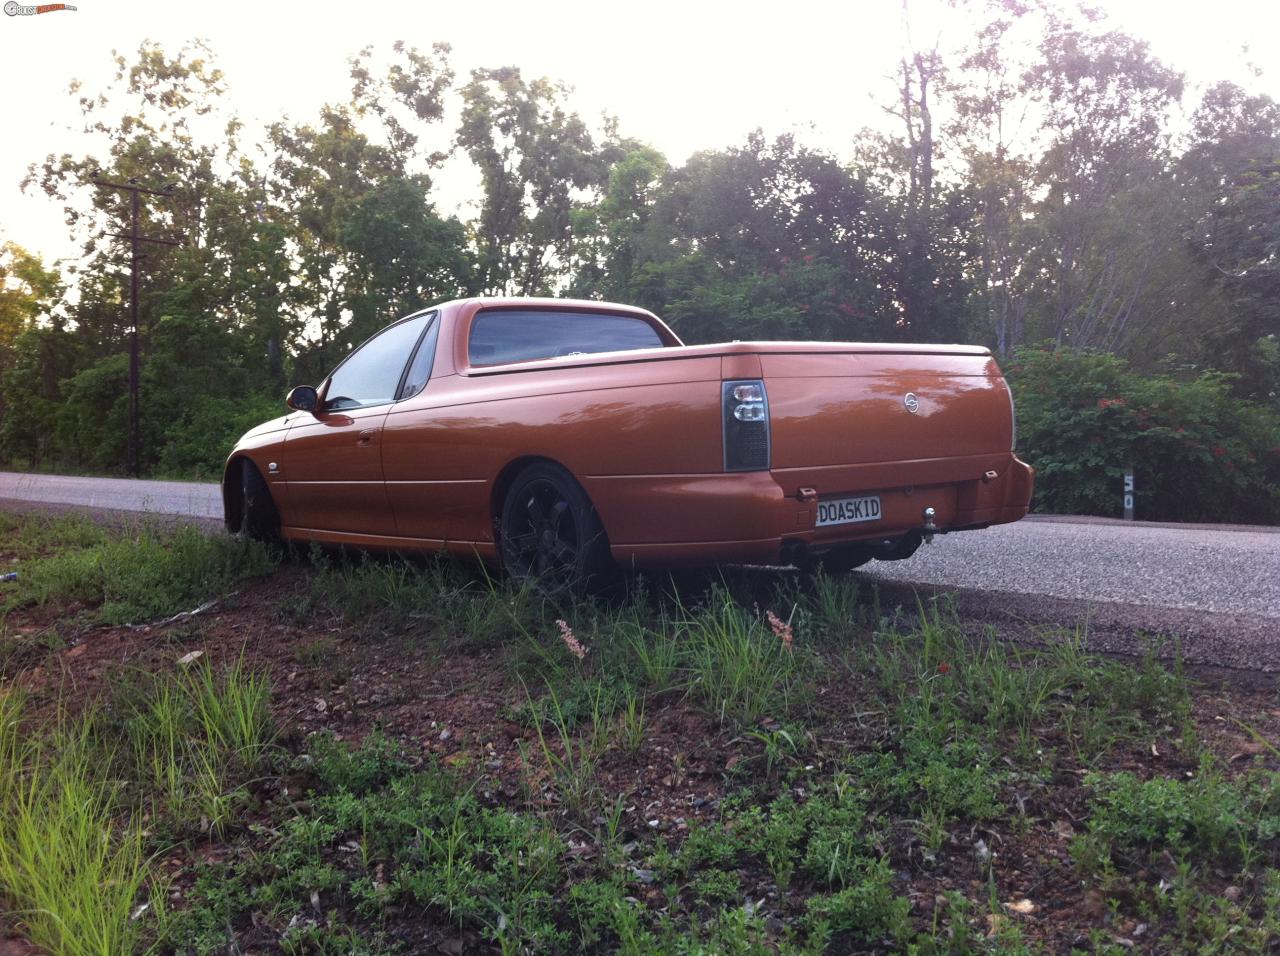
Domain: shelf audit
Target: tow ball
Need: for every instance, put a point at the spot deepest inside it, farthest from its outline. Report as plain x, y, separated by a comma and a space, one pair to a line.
929, 527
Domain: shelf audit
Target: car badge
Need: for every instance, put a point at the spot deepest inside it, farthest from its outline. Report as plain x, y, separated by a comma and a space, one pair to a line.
912, 403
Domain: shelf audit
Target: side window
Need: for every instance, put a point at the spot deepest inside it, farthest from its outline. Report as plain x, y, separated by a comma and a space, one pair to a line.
420, 368
371, 374
499, 336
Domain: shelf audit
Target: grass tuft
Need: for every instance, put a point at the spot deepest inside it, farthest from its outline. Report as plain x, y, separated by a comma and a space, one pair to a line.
72, 872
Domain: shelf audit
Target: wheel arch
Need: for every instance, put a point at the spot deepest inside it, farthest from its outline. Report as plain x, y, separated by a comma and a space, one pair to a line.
232, 500
502, 483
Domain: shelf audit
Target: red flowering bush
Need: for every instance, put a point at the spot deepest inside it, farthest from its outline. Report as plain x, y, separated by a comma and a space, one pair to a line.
1198, 453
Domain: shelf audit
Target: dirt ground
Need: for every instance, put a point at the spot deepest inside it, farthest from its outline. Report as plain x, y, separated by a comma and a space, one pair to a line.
460, 706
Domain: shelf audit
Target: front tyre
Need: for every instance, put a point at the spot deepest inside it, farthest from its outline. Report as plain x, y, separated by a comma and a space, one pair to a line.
259, 519
550, 535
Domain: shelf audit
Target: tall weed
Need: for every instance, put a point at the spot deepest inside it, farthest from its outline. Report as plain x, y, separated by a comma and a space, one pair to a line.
739, 668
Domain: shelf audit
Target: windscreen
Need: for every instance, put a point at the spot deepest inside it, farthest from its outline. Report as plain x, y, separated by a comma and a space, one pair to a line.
500, 336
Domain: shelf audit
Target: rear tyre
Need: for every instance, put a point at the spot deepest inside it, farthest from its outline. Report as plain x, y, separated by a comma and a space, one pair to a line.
550, 535
259, 519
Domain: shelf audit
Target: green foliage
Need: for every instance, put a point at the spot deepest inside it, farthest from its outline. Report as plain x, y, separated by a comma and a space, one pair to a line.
1206, 817
737, 666
1198, 453
869, 908
142, 574
360, 770
424, 840
71, 876
195, 444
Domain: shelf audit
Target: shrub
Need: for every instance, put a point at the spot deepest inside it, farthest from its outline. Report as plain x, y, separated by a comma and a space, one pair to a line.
1199, 454
1205, 817
870, 908
197, 444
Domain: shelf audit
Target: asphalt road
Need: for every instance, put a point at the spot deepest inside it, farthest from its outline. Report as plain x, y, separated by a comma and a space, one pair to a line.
1216, 587
191, 499
1203, 567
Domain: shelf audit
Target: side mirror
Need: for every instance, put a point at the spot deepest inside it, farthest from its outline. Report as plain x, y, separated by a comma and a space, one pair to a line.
302, 398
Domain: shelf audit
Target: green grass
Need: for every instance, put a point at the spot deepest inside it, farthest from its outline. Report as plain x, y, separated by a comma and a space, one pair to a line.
174, 751
737, 666
194, 739
133, 575
29, 536
387, 595
869, 756
72, 862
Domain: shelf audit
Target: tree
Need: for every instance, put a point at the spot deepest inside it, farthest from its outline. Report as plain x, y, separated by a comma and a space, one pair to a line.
1231, 169
768, 240
354, 200
28, 290
609, 235
533, 157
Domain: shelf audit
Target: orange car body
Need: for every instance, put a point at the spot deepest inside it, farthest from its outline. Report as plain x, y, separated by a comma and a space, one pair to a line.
643, 433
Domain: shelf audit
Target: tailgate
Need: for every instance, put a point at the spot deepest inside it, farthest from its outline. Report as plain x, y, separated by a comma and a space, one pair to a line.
861, 420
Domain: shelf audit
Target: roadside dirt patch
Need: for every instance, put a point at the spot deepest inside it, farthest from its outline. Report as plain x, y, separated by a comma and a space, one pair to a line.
469, 709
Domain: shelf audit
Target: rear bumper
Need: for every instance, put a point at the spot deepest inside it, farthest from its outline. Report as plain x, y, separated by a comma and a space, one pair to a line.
760, 516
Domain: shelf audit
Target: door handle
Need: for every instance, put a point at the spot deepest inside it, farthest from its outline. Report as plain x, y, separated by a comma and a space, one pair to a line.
366, 436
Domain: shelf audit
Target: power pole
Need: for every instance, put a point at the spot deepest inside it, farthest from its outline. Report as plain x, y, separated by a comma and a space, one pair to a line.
134, 453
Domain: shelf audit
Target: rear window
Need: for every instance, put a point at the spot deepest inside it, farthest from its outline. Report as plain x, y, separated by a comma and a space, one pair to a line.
522, 335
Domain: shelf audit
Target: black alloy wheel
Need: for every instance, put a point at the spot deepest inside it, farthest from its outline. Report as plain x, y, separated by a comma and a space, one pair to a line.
550, 534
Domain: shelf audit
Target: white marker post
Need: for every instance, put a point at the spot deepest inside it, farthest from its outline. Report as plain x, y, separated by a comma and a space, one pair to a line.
1128, 493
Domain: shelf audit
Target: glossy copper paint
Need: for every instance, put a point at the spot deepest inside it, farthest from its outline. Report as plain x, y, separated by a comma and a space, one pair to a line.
641, 431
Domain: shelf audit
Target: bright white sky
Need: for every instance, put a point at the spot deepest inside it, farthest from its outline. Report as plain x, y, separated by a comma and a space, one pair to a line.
683, 75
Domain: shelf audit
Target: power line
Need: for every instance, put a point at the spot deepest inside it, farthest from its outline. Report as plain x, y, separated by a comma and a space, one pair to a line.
133, 455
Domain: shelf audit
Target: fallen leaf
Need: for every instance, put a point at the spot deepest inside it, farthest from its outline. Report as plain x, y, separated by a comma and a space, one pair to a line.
190, 658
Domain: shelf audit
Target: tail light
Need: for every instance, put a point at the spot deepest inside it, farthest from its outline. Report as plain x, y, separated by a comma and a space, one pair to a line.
746, 425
